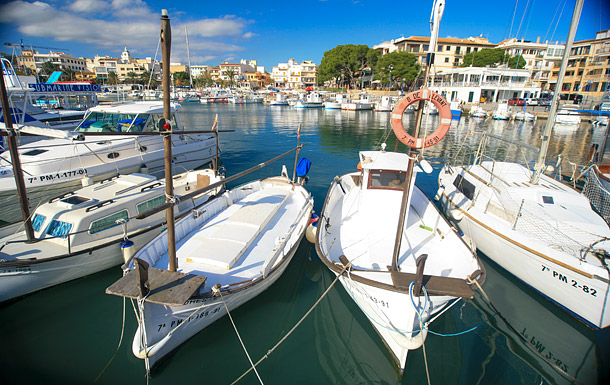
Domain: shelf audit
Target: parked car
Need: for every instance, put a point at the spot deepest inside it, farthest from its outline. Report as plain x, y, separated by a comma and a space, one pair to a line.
544, 102
531, 101
516, 102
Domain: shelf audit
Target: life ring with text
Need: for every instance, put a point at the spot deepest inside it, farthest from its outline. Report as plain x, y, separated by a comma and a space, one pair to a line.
444, 113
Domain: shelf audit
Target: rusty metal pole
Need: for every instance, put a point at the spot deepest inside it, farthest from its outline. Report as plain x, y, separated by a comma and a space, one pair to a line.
18, 173
166, 45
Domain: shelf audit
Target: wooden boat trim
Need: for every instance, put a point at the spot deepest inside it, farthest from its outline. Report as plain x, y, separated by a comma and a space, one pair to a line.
546, 257
337, 268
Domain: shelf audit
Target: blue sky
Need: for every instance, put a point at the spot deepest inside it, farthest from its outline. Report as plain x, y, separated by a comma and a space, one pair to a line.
274, 31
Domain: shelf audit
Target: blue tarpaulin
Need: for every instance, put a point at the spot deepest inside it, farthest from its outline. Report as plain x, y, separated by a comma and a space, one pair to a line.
303, 167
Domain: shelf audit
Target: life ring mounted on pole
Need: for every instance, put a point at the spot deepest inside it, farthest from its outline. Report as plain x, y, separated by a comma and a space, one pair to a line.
444, 113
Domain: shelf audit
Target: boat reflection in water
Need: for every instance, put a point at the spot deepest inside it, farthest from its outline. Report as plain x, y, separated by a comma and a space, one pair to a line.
557, 346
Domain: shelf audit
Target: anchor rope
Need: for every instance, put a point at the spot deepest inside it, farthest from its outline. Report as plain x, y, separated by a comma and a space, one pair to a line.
118, 346
296, 325
216, 289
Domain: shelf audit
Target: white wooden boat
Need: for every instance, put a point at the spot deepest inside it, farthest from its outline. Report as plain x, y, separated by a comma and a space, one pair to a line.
81, 232
567, 115
312, 100
544, 233
478, 112
233, 248
280, 100
524, 116
53, 166
385, 105
501, 112
364, 102
355, 240
335, 103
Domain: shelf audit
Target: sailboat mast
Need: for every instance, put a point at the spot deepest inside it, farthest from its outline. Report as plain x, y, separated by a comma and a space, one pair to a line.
12, 145
188, 55
438, 8
166, 45
540, 163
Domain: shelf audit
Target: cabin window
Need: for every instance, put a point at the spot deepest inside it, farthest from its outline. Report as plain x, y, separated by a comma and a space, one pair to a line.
111, 122
108, 222
154, 123
150, 204
33, 152
548, 200
37, 221
464, 187
75, 200
59, 229
387, 179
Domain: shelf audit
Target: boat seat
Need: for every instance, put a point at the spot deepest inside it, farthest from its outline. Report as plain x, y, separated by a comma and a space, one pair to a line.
233, 236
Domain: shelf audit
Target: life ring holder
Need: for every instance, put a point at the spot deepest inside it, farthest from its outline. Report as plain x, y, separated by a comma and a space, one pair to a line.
444, 112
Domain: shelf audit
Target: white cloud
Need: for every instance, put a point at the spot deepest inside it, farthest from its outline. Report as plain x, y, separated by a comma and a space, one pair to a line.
88, 6
117, 27
248, 35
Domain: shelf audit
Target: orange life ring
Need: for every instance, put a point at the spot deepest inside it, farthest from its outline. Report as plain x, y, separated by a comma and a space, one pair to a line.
444, 113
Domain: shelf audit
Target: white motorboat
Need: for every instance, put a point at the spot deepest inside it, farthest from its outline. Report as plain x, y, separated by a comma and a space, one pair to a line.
363, 102
312, 100
280, 100
355, 240
229, 251
567, 115
543, 232
53, 166
501, 112
478, 112
82, 232
524, 116
385, 105
335, 102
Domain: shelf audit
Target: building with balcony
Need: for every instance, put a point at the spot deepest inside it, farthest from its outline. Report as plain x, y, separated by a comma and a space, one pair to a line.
295, 75
34, 60
588, 71
449, 51
482, 84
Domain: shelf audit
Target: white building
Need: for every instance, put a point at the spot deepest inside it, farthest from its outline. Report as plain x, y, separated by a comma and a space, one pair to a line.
476, 84
295, 75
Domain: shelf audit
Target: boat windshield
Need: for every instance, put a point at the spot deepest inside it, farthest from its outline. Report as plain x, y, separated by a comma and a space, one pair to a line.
113, 122
387, 179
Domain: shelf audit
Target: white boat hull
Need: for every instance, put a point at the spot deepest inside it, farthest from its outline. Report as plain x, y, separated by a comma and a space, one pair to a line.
577, 286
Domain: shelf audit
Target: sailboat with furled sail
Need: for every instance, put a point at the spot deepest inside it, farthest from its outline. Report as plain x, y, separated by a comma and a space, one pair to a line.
395, 255
540, 230
216, 258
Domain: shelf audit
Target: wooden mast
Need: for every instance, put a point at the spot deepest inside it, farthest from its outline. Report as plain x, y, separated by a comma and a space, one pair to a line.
166, 45
12, 145
437, 13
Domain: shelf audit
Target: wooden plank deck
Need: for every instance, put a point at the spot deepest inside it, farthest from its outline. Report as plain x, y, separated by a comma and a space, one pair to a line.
166, 287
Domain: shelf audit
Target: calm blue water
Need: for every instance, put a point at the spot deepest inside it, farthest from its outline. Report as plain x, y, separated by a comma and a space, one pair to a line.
67, 334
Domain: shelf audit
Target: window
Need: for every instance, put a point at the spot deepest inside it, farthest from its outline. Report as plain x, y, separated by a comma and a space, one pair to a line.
467, 49
150, 204
548, 200
464, 187
394, 180
446, 60
107, 222
59, 229
37, 221
448, 48
440, 48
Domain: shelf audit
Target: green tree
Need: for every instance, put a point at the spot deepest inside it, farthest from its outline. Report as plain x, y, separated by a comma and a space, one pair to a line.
48, 68
484, 57
345, 63
231, 75
144, 78
181, 78
130, 77
397, 67
112, 77
68, 74
512, 62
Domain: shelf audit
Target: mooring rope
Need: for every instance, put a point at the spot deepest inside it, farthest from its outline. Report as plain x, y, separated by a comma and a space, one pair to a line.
216, 289
296, 325
118, 347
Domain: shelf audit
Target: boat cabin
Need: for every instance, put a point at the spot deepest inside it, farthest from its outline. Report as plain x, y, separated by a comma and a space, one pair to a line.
132, 117
383, 170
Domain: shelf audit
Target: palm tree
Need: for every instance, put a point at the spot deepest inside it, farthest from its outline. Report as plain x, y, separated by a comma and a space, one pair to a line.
130, 78
68, 74
48, 68
181, 78
230, 74
112, 77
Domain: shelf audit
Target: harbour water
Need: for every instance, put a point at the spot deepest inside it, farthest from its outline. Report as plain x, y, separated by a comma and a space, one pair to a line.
67, 334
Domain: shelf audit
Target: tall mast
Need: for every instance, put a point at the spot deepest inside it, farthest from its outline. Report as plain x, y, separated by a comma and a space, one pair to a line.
438, 7
540, 163
188, 55
166, 45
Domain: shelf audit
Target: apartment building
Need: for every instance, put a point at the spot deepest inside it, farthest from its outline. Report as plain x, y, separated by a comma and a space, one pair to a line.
34, 60
449, 51
295, 75
540, 58
588, 72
